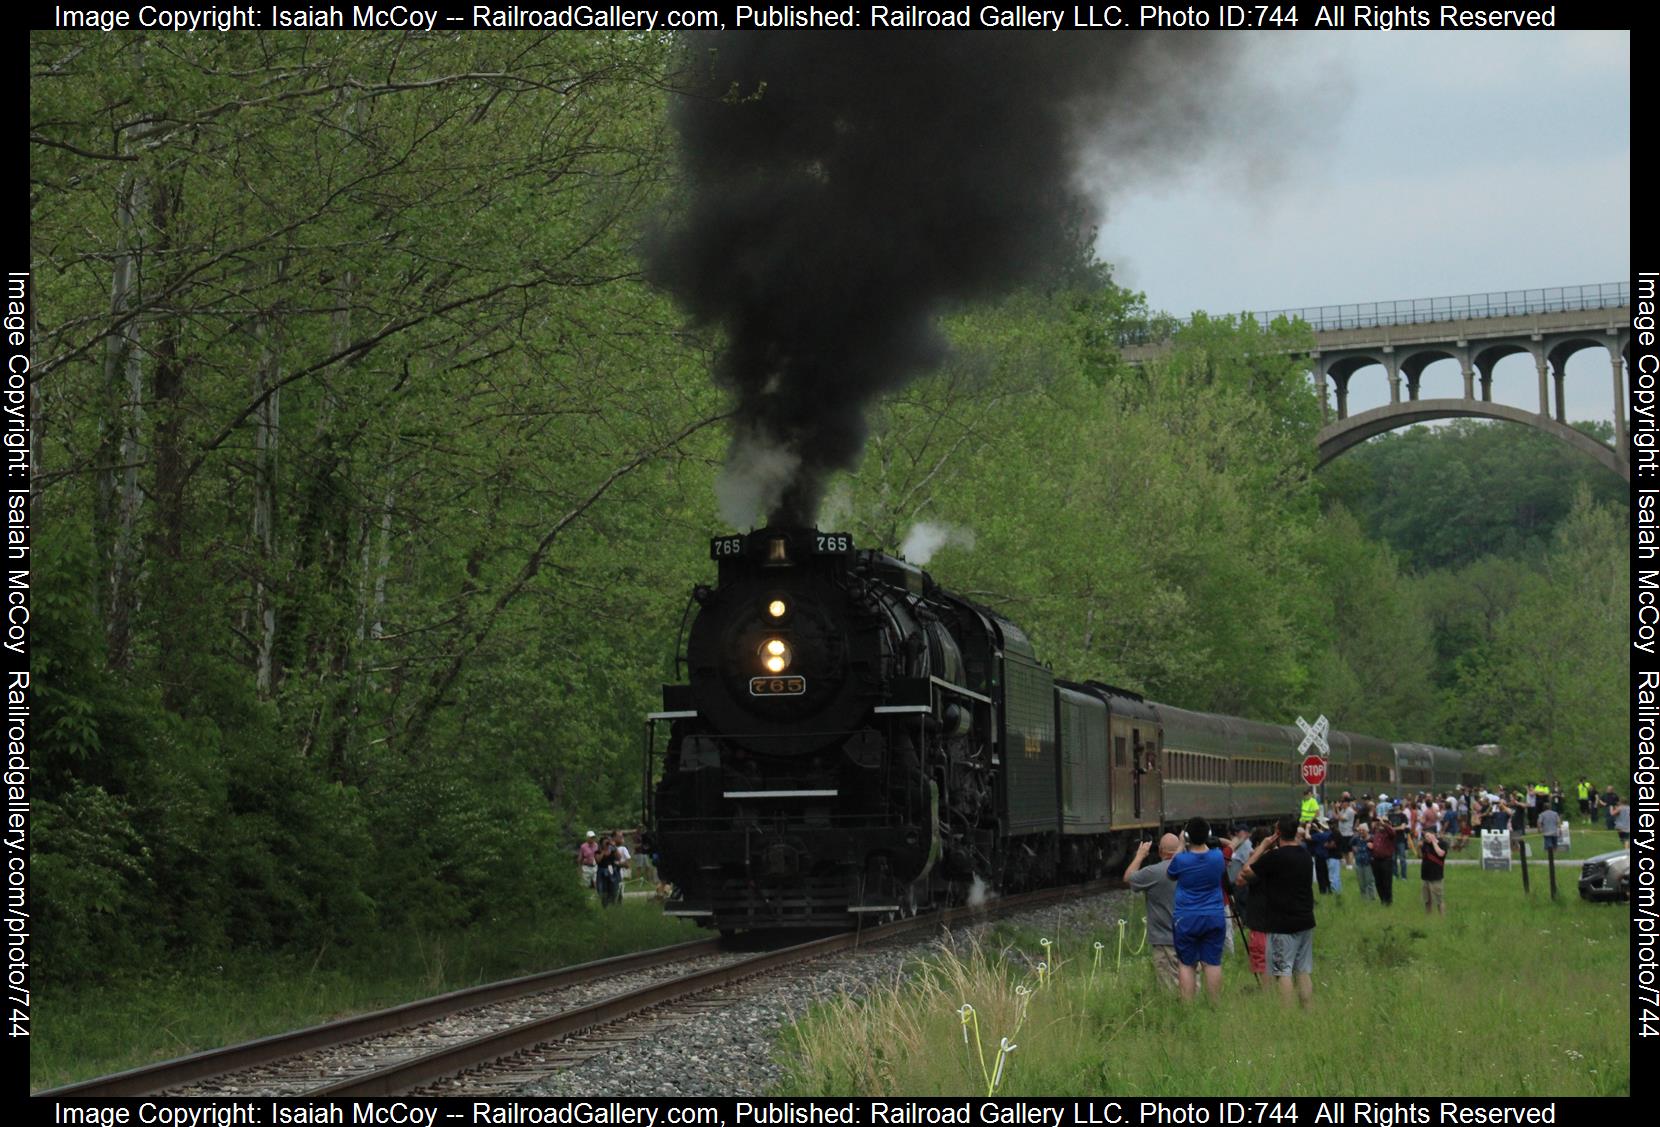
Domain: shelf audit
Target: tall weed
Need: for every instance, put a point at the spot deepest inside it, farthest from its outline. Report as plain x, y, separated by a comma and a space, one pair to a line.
1506, 995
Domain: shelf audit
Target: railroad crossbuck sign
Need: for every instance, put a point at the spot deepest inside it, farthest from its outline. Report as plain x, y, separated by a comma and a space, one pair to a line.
1314, 736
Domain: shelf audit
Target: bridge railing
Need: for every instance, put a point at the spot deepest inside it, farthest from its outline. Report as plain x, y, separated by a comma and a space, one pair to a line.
1424, 310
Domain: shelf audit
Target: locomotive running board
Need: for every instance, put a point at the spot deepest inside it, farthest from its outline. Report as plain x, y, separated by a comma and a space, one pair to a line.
873, 907
780, 793
958, 689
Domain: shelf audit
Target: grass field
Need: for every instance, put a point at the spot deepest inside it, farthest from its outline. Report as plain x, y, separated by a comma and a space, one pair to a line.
1506, 995
1369, 967
1587, 842
93, 1031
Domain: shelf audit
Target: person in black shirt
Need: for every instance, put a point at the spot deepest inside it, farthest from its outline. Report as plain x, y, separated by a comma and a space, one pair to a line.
1282, 872
608, 875
1403, 833
1433, 852
1319, 847
1384, 843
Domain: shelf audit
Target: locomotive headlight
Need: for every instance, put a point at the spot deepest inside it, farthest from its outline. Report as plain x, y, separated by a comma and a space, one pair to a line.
775, 655
776, 608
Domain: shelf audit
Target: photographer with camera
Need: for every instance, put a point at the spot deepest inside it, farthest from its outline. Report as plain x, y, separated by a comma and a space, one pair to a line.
1281, 871
1253, 907
1384, 843
1201, 919
1161, 900
1433, 852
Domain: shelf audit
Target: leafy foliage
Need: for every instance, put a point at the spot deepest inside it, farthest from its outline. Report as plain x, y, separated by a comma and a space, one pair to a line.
1147, 526
1550, 685
1449, 495
341, 477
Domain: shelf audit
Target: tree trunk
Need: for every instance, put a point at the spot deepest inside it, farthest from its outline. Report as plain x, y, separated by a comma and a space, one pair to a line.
116, 493
329, 535
178, 601
375, 612
267, 421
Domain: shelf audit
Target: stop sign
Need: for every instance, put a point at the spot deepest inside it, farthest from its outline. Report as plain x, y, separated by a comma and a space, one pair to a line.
1314, 770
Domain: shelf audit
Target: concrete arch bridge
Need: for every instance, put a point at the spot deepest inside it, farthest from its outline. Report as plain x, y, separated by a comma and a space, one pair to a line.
1476, 331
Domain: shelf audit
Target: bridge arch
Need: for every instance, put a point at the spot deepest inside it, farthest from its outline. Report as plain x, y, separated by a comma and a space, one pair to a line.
1475, 332
1416, 358
1345, 434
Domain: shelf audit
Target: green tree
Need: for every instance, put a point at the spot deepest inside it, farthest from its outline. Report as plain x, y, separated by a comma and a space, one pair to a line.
1447, 495
1147, 526
351, 391
1375, 673
1551, 687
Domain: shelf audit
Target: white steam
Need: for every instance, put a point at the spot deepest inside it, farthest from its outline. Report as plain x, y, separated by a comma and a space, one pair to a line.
837, 509
926, 538
979, 892
753, 480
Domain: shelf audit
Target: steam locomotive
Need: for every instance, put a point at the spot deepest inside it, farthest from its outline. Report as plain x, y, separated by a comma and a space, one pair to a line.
853, 740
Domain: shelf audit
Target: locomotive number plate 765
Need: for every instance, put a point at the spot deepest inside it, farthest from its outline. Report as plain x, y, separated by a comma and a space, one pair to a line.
777, 686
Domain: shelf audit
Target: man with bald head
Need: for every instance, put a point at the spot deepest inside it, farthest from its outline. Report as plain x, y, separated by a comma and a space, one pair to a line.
1153, 882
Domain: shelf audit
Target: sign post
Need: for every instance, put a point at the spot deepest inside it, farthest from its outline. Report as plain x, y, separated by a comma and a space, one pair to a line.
1314, 765
1495, 849
1314, 770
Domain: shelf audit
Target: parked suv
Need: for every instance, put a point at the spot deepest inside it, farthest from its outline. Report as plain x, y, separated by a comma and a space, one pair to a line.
1607, 876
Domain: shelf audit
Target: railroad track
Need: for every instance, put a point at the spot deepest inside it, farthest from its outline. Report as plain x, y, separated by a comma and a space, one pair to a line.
425, 1046
250, 1057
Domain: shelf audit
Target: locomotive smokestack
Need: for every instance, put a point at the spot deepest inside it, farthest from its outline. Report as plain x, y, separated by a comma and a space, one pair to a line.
846, 190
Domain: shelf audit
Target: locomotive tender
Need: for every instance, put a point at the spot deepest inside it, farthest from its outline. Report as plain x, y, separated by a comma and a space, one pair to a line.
853, 740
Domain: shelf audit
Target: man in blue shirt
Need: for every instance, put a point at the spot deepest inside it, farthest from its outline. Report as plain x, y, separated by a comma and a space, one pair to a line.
1201, 918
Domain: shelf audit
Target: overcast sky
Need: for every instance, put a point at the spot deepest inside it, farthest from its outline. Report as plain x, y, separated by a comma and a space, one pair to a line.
1432, 164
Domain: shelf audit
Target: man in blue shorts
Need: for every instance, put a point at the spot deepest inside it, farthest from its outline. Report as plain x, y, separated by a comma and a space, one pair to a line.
1201, 919
1282, 870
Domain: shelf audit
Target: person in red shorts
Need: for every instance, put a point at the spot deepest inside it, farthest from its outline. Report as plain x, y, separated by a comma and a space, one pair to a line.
1253, 908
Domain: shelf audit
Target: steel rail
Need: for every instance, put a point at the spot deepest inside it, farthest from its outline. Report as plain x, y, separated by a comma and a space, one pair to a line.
416, 1071
151, 1078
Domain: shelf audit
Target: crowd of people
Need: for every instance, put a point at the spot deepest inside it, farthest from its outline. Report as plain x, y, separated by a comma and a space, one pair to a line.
1266, 878
604, 864
1262, 877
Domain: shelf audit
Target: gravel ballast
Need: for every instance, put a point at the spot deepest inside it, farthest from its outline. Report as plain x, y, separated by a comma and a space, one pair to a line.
725, 1046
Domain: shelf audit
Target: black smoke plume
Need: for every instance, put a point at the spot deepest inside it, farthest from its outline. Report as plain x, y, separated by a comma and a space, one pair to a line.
844, 190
